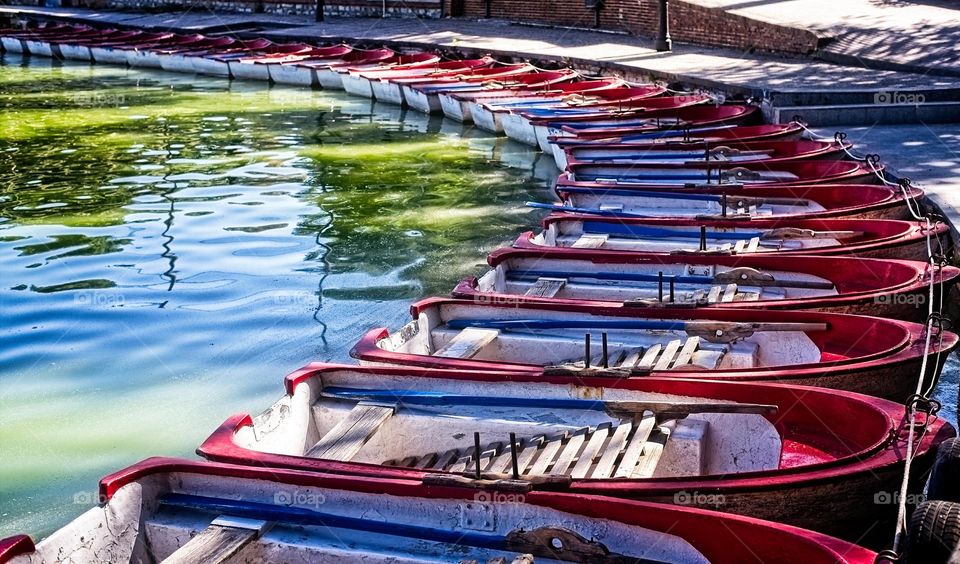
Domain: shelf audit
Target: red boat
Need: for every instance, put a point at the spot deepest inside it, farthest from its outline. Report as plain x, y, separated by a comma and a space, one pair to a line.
813, 201
420, 424
878, 357
166, 508
425, 96
640, 175
682, 119
459, 105
365, 81
874, 238
739, 152
895, 289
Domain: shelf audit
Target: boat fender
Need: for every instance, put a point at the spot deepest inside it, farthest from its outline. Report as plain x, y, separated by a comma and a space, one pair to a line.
933, 533
945, 478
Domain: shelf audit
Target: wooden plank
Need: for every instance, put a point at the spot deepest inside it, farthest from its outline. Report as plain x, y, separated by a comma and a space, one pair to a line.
631, 455
547, 454
467, 343
714, 294
632, 358
729, 293
488, 454
599, 436
686, 353
738, 248
219, 542
463, 461
569, 452
546, 287
754, 245
352, 432
612, 452
590, 241
649, 357
651, 456
530, 448
668, 355
445, 459
426, 461
707, 359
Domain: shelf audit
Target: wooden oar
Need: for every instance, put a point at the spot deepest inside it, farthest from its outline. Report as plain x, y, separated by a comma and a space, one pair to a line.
675, 409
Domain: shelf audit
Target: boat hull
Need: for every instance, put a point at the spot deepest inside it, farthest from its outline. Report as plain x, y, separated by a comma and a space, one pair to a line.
329, 79
178, 63
12, 44
293, 74
39, 47
145, 58
900, 292
357, 85
457, 110
387, 91
426, 102
249, 70
487, 119
210, 66
519, 128
794, 495
75, 52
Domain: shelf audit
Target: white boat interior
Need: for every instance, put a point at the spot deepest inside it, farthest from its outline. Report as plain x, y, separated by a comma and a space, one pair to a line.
181, 517
563, 340
659, 204
558, 430
654, 175
669, 283
585, 234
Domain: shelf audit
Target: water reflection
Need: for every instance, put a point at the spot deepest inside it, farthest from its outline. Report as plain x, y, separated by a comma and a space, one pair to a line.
171, 246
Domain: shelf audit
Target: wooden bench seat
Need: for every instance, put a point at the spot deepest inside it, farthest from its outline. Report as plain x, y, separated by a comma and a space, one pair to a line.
352, 432
467, 343
590, 241
546, 287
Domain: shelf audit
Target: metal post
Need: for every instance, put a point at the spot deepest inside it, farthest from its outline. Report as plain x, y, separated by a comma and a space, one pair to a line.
663, 33
320, 4
488, 3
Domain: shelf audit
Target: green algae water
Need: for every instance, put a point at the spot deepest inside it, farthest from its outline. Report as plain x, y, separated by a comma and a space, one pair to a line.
171, 246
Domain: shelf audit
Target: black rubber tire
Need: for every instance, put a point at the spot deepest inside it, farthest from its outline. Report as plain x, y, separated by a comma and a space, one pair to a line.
945, 477
934, 532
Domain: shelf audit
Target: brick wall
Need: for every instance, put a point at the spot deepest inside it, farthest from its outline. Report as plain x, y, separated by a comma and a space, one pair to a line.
689, 23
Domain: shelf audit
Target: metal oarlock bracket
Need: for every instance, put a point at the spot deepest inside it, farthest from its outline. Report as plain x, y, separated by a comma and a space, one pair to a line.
922, 404
840, 136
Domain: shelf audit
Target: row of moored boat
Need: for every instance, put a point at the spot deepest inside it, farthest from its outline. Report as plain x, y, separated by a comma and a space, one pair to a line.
710, 342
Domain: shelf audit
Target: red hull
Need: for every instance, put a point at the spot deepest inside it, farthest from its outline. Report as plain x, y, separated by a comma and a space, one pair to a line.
881, 238
718, 537
877, 357
864, 460
770, 132
894, 289
805, 172
772, 151
560, 89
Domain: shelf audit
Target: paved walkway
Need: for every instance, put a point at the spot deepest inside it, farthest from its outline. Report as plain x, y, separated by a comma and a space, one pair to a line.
723, 70
924, 34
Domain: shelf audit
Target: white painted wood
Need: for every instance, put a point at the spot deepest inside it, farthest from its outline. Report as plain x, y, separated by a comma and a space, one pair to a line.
650, 357
546, 287
585, 461
686, 353
566, 456
547, 454
669, 353
714, 295
349, 436
729, 292
590, 241
754, 245
606, 464
631, 455
652, 450
468, 343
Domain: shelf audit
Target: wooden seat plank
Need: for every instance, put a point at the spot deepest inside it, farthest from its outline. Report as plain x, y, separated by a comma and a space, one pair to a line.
547, 454
219, 542
631, 455
445, 459
686, 353
585, 461
738, 248
612, 452
467, 343
488, 454
631, 358
463, 462
590, 241
651, 456
352, 432
754, 245
650, 357
426, 461
566, 456
714, 294
669, 353
729, 293
546, 287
